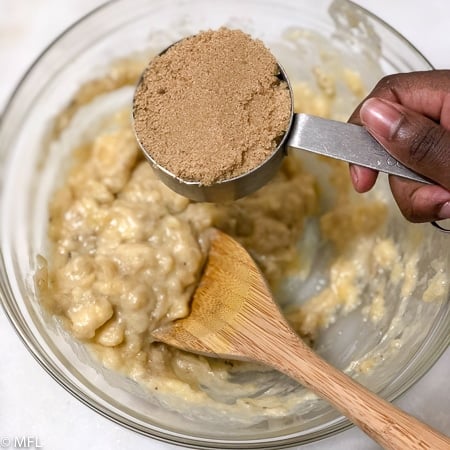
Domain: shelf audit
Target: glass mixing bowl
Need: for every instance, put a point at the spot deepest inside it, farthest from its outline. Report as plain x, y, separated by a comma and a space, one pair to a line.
302, 34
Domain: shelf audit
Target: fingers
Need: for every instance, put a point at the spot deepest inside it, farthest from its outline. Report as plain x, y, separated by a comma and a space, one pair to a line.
419, 202
426, 92
363, 179
419, 143
413, 139
409, 114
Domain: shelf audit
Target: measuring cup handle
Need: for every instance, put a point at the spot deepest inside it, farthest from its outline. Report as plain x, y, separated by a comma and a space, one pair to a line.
347, 142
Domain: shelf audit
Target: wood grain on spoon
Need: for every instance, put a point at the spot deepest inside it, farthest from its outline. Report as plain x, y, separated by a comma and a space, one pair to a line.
233, 316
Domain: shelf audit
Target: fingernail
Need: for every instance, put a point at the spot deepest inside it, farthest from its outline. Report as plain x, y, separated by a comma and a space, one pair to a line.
380, 117
444, 212
355, 175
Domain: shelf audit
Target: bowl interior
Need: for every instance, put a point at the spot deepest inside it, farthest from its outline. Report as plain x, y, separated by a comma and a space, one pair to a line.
387, 356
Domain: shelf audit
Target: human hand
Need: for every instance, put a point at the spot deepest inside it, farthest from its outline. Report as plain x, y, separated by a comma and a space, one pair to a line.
409, 114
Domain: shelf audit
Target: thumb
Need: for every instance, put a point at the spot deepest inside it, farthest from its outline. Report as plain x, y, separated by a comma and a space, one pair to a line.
415, 140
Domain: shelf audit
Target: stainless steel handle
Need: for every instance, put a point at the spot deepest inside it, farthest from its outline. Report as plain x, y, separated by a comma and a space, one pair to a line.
347, 142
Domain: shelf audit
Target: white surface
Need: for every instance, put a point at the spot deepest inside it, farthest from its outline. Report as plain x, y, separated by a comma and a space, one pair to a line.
32, 403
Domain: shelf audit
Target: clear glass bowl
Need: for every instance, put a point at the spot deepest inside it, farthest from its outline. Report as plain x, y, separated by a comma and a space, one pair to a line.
29, 173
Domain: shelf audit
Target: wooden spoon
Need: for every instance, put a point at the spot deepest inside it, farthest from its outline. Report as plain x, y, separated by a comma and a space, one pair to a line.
234, 316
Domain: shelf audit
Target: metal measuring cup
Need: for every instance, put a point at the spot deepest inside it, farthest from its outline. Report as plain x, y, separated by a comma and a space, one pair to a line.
339, 140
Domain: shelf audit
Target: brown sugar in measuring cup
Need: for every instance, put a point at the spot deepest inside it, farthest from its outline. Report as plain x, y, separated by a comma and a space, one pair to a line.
212, 107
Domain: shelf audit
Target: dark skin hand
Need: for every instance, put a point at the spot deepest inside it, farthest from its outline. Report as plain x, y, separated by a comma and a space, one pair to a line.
409, 114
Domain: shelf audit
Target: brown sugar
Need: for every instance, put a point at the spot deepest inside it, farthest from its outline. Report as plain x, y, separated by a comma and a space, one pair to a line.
212, 106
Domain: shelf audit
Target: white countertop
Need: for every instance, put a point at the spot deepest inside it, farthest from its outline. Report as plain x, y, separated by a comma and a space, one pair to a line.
32, 404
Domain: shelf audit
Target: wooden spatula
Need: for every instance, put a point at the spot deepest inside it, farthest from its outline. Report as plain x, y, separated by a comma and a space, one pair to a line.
234, 316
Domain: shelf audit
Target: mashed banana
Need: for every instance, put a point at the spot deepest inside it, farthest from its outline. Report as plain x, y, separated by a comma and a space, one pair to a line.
126, 254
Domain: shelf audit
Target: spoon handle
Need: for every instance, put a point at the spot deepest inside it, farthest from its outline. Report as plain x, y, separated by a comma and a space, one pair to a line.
386, 424
347, 142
